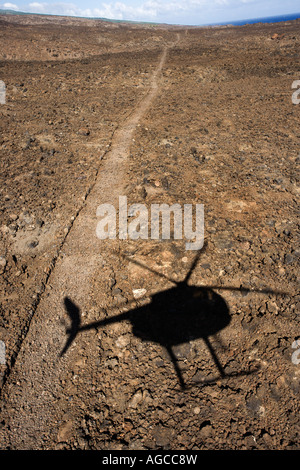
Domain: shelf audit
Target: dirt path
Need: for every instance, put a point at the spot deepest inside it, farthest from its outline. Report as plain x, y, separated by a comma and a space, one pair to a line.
36, 404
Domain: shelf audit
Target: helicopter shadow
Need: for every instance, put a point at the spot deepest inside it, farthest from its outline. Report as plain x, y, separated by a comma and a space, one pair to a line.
175, 316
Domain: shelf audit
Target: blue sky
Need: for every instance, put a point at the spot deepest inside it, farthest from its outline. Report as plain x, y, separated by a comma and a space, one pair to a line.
188, 12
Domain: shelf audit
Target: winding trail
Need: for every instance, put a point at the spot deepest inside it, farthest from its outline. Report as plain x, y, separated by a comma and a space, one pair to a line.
36, 384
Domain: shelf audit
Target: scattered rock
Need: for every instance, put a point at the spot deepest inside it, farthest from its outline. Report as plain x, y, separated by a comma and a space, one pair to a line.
139, 293
84, 131
162, 436
33, 244
65, 431
136, 399
277, 36
3, 263
123, 341
206, 141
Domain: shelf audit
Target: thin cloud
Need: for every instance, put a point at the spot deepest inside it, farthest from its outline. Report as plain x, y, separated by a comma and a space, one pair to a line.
10, 6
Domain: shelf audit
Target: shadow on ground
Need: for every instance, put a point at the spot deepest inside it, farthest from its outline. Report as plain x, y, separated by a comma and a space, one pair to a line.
174, 316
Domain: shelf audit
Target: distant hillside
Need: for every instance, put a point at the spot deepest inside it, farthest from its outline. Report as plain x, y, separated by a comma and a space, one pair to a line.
14, 12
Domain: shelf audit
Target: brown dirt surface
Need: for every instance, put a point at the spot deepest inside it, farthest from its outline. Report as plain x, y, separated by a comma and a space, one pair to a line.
160, 114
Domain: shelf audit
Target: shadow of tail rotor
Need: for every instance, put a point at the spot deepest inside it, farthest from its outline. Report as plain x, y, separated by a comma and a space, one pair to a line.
76, 327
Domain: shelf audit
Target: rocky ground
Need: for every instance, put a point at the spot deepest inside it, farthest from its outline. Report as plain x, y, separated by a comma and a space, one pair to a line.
161, 115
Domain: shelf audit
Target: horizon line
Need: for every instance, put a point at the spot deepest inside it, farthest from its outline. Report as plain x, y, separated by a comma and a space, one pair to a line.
242, 22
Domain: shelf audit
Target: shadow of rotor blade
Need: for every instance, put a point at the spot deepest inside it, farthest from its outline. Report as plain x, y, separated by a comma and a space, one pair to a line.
68, 344
194, 264
74, 314
245, 289
157, 273
216, 379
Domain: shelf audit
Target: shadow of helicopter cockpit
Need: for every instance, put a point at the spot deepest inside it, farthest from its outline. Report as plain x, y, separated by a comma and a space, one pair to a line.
174, 316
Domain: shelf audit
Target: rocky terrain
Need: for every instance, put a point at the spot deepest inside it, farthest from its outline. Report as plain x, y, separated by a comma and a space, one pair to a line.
159, 114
